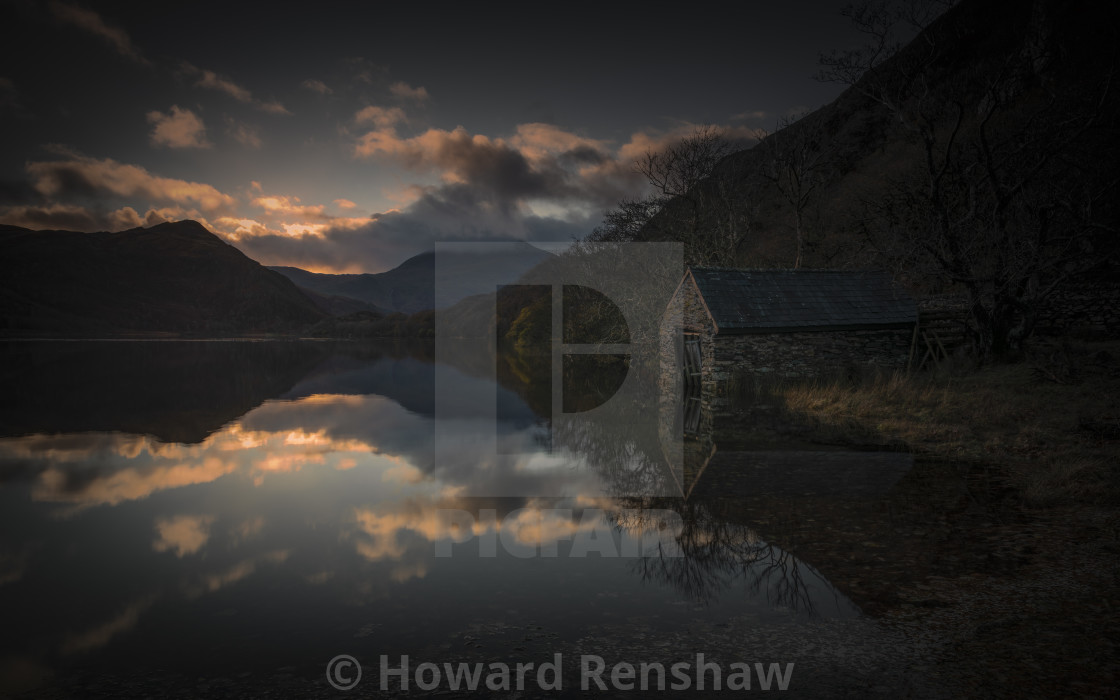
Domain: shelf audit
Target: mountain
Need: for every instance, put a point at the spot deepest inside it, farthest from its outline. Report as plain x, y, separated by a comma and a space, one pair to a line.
174, 278
1038, 75
411, 286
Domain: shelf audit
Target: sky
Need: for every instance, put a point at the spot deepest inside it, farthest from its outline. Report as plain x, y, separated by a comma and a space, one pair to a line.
346, 137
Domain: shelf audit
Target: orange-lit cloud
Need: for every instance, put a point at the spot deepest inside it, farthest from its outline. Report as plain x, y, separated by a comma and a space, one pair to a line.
316, 86
179, 128
283, 216
380, 117
539, 141
381, 534
80, 174
288, 206
134, 467
128, 484
403, 473
185, 534
235, 228
238, 572
643, 142
406, 92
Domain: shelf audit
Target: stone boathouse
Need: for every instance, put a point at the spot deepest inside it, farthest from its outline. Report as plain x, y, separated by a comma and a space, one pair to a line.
791, 323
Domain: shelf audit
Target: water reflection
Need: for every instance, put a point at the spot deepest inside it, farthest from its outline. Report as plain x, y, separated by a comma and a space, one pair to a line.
719, 552
299, 506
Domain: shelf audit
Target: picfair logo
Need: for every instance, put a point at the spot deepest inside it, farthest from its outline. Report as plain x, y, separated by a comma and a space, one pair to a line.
559, 354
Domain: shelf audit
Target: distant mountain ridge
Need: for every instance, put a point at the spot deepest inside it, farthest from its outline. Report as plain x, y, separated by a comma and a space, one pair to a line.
173, 278
412, 286
179, 279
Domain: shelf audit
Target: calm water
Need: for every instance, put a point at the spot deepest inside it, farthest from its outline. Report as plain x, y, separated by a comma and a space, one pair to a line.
243, 511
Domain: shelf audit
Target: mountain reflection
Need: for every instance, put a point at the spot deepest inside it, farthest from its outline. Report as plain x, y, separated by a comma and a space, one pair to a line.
175, 391
313, 482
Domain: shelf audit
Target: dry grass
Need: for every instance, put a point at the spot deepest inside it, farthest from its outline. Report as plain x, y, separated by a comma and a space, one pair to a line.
1015, 416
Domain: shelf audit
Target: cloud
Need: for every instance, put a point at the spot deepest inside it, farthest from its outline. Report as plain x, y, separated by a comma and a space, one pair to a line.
99, 636
316, 86
80, 175
406, 92
69, 217
290, 207
185, 534
244, 134
128, 484
75, 217
539, 164
750, 115
538, 141
381, 117
461, 157
179, 128
345, 204
449, 212
239, 571
542, 183
212, 81
92, 22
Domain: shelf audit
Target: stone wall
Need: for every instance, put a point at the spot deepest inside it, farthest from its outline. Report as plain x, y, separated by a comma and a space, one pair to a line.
1090, 310
803, 354
809, 353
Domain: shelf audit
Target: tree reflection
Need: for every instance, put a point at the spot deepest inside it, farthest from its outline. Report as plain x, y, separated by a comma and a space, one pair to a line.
715, 551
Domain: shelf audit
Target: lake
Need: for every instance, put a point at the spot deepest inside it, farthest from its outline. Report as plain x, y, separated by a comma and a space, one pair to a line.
224, 518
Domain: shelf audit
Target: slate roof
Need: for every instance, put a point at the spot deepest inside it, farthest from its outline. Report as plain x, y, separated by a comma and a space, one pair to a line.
753, 301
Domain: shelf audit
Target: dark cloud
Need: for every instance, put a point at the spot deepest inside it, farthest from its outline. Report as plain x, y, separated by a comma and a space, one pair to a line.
453, 212
79, 176
91, 22
74, 217
585, 155
56, 216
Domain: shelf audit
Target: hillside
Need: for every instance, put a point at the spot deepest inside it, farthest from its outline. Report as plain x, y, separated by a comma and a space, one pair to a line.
1039, 72
411, 286
173, 278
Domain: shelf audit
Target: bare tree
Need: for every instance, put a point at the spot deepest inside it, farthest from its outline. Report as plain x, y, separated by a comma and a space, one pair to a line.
625, 222
797, 161
711, 216
675, 170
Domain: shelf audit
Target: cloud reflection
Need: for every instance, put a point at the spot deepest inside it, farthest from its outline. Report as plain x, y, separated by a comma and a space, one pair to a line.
185, 534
